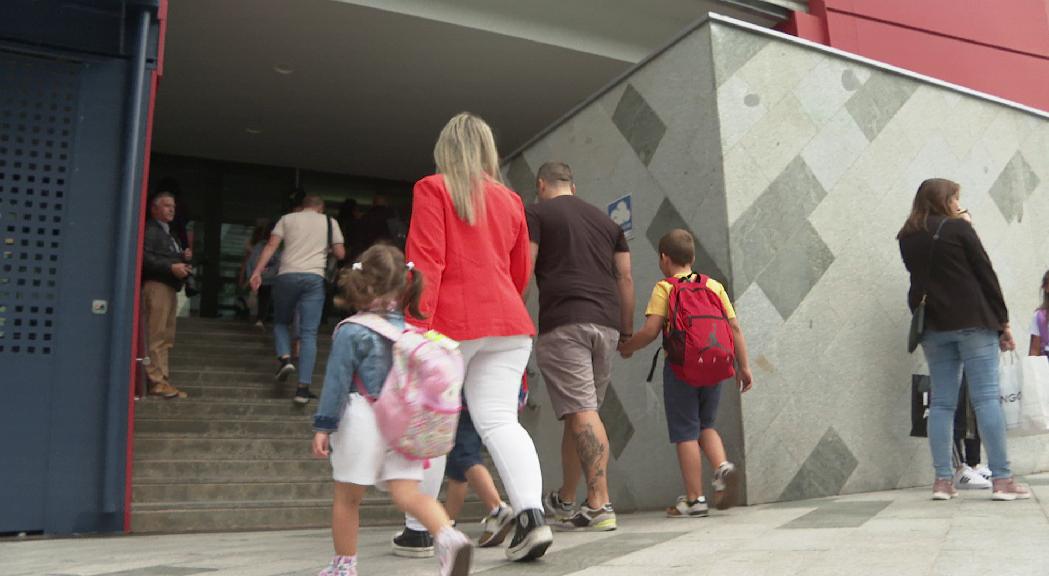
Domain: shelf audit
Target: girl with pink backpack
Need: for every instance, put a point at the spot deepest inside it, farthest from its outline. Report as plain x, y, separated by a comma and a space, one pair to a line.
382, 413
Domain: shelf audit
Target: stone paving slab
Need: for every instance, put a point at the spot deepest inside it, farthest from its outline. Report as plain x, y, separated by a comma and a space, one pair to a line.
899, 533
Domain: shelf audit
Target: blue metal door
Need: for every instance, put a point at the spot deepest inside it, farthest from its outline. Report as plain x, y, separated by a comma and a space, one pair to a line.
66, 268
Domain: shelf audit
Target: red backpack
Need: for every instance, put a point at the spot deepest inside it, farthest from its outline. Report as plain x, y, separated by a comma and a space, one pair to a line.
697, 335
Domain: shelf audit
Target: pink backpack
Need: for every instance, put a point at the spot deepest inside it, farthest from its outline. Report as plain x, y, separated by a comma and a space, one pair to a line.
418, 408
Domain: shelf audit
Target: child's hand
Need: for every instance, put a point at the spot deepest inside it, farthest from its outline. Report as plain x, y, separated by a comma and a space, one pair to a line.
624, 349
321, 447
744, 379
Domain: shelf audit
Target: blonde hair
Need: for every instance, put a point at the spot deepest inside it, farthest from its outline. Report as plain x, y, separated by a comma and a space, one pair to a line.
465, 154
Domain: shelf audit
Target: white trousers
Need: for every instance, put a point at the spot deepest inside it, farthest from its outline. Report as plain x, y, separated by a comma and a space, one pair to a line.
494, 367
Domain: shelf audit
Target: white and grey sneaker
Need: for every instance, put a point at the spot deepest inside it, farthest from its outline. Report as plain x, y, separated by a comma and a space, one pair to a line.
726, 486
601, 519
684, 509
285, 369
968, 479
557, 507
497, 525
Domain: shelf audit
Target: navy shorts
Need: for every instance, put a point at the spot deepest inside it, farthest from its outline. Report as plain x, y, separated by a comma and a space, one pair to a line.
690, 410
467, 450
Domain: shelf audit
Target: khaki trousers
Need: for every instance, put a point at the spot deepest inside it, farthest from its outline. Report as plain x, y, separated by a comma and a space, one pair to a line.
159, 307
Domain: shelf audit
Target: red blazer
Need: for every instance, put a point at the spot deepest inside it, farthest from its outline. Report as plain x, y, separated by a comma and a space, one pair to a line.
474, 275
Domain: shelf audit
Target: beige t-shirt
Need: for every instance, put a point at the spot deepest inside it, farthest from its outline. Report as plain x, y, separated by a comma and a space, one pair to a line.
305, 236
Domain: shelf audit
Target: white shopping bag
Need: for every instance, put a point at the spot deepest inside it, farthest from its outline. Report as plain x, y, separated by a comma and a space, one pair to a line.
1024, 384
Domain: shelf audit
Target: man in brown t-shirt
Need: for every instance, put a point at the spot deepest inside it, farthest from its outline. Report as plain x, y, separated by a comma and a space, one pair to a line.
586, 306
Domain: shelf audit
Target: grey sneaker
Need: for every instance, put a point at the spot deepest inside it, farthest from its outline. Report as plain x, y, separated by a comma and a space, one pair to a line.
285, 369
1008, 489
685, 509
497, 526
602, 519
557, 507
726, 486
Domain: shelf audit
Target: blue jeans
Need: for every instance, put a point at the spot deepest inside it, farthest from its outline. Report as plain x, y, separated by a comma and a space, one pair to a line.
303, 293
977, 351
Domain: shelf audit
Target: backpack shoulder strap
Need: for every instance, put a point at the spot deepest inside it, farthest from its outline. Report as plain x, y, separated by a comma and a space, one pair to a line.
375, 323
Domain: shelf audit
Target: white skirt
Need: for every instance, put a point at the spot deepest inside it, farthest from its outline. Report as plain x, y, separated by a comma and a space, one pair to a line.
360, 456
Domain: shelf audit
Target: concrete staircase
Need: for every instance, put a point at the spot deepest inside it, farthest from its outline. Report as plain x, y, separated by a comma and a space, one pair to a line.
235, 454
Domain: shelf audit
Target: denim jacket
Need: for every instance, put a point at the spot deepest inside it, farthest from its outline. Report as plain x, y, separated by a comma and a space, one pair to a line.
356, 351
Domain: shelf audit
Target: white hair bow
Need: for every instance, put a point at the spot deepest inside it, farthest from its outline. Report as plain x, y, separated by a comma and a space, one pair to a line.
410, 265
357, 266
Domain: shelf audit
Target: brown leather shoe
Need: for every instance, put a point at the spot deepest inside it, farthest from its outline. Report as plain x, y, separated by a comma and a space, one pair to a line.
167, 391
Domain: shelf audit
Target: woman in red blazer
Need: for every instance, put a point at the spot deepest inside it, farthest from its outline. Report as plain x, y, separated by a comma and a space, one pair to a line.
469, 238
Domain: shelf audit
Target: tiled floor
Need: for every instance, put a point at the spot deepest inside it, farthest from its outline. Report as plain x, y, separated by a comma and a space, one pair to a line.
899, 533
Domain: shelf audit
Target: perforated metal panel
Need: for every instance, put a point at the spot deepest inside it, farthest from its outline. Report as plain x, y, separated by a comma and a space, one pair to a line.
38, 106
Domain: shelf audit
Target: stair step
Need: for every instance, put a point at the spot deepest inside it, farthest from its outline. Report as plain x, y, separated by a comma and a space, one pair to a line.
164, 469
219, 408
240, 349
299, 427
195, 375
260, 392
154, 448
238, 516
233, 363
154, 496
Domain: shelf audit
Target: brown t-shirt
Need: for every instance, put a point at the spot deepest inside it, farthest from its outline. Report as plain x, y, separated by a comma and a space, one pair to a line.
575, 269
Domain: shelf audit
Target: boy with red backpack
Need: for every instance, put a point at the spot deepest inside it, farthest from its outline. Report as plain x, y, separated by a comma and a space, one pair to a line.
704, 346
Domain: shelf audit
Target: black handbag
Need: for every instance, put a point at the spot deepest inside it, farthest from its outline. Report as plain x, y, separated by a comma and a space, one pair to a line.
921, 395
331, 265
914, 337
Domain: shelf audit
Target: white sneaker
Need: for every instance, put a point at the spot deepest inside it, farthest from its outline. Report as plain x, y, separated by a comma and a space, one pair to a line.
497, 525
967, 479
454, 552
983, 471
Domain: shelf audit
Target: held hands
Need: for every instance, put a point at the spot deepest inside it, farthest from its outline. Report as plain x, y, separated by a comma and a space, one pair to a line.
321, 445
624, 350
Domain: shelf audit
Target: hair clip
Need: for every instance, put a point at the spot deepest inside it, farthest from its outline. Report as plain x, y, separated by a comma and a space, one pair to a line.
410, 265
357, 266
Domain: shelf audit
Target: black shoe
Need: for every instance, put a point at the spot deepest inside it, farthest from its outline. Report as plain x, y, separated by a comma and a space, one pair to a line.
413, 544
286, 369
303, 395
532, 537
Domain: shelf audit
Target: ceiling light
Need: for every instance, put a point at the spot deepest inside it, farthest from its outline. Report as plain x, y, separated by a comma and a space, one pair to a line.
283, 70
253, 131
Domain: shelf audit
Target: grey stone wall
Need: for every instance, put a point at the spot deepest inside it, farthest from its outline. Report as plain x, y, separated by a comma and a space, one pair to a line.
794, 167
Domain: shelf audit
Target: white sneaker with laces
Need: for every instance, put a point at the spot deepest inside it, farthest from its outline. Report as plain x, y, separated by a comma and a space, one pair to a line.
967, 479
984, 471
497, 525
454, 552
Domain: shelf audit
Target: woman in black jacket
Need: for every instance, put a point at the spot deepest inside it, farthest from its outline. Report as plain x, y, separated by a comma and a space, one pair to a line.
966, 323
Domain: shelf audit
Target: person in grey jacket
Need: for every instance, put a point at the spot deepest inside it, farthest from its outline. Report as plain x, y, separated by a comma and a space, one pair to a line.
165, 267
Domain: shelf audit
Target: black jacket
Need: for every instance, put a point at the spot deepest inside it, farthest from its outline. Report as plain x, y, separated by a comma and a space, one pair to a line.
159, 252
962, 288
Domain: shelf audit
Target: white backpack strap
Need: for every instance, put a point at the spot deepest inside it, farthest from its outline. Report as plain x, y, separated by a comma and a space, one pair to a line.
375, 323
